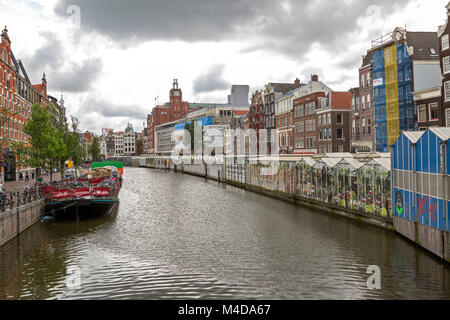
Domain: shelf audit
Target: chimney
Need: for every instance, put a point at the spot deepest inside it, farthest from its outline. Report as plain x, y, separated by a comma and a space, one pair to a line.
314, 78
297, 83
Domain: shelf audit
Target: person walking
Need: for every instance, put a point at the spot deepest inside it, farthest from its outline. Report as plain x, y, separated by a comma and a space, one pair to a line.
27, 177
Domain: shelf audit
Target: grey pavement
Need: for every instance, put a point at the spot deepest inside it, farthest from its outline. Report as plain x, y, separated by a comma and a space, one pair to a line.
15, 186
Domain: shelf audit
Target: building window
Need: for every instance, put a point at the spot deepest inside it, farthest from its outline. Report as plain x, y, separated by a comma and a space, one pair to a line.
340, 119
339, 133
447, 91
447, 117
434, 111
369, 126
446, 64
363, 126
422, 113
445, 43
353, 127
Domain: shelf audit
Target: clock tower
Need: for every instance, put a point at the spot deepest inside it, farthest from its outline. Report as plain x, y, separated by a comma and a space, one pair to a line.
176, 102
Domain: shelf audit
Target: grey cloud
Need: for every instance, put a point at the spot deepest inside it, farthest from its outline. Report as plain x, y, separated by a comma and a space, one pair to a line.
62, 73
263, 24
211, 80
78, 79
112, 110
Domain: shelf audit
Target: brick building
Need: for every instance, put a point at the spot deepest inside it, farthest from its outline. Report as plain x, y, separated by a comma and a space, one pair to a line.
175, 110
18, 94
305, 122
271, 93
444, 60
304, 115
333, 123
362, 120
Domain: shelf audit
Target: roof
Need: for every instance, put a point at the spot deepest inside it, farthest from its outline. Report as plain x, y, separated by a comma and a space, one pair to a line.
290, 93
413, 136
442, 133
355, 164
339, 155
129, 128
282, 87
422, 42
308, 160
330, 162
384, 162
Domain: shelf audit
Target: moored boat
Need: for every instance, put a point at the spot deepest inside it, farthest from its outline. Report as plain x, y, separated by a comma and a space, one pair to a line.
86, 198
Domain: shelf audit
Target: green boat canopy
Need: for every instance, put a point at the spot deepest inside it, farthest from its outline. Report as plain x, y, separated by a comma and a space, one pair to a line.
117, 164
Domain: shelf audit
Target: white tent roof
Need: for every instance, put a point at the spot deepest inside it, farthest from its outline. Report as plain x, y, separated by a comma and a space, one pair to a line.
414, 136
352, 162
308, 160
443, 133
339, 155
330, 162
384, 162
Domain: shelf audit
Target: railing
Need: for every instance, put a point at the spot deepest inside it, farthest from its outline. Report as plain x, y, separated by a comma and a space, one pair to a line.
11, 200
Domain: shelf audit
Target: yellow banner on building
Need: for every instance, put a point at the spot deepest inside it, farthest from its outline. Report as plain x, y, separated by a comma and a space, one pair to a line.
392, 104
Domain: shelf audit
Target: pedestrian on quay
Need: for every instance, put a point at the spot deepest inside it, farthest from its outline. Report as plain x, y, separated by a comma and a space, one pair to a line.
32, 175
21, 176
27, 177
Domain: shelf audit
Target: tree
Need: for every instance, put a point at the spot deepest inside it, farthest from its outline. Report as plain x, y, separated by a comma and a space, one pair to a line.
94, 149
42, 139
76, 151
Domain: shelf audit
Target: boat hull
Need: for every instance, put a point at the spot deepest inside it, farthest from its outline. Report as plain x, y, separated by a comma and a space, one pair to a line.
81, 209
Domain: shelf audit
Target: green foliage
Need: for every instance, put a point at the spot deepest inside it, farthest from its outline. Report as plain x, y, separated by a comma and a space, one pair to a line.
51, 143
42, 137
94, 149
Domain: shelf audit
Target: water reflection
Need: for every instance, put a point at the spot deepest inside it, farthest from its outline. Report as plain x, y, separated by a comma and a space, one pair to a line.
177, 236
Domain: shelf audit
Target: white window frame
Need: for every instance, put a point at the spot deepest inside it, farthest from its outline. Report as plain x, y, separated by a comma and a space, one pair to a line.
447, 91
419, 111
446, 64
431, 106
447, 117
445, 40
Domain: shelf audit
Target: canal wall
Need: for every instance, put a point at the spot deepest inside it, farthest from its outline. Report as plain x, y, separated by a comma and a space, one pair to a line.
15, 221
378, 221
434, 240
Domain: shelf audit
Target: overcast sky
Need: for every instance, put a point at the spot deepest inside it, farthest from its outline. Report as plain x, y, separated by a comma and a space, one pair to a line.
111, 58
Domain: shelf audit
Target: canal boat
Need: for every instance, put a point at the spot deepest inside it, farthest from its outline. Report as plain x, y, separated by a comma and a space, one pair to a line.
85, 198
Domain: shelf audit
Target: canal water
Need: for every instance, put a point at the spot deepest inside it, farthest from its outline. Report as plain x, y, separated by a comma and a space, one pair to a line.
176, 236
